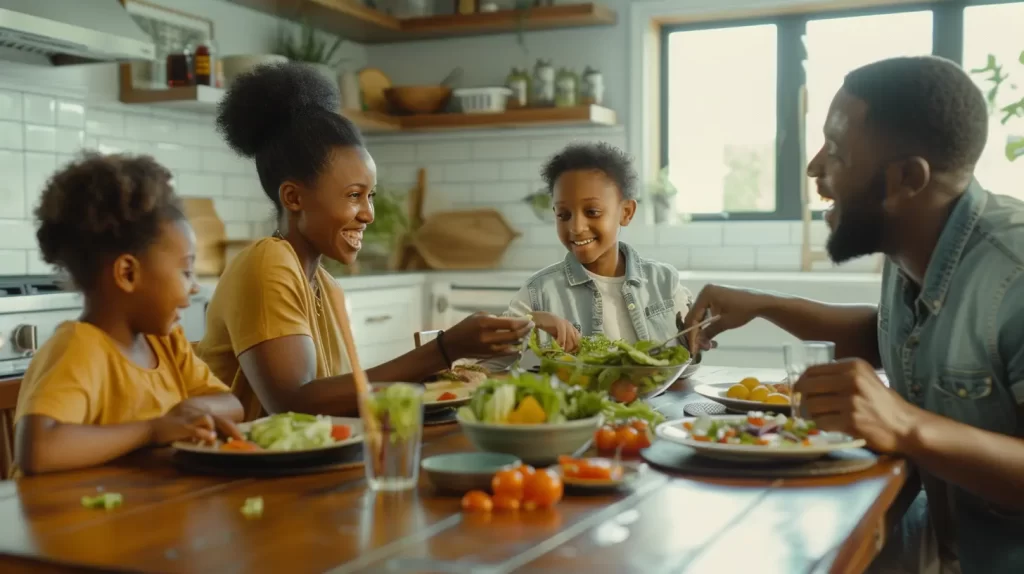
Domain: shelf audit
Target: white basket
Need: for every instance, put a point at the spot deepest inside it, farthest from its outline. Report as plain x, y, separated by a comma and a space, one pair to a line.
483, 100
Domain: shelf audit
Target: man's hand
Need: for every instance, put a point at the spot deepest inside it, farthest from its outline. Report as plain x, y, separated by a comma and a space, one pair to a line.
847, 396
735, 307
560, 329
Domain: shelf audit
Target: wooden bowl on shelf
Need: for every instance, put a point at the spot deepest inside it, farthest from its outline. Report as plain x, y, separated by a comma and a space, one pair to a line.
418, 99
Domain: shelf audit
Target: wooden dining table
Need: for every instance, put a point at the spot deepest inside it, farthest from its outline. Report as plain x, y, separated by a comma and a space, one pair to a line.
172, 521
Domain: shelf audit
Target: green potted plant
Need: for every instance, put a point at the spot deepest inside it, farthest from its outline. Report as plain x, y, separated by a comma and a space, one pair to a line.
998, 78
307, 48
662, 194
541, 204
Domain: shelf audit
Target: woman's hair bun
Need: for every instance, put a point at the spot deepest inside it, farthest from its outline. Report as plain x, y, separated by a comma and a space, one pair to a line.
262, 104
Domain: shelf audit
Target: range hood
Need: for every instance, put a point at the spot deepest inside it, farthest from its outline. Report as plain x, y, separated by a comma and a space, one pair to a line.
73, 31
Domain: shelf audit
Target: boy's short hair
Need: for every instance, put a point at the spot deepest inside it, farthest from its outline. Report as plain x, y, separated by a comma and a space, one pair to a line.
101, 206
616, 164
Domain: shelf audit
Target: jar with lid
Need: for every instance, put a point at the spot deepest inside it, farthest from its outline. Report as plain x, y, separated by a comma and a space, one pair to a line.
592, 90
519, 82
543, 93
179, 62
204, 62
566, 88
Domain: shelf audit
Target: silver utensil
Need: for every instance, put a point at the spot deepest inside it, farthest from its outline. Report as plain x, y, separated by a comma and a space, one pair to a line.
658, 348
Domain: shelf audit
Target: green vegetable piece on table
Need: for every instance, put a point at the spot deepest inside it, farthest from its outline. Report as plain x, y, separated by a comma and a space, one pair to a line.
292, 431
253, 507
106, 501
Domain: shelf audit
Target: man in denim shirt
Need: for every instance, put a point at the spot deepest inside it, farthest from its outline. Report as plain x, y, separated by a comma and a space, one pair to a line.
901, 140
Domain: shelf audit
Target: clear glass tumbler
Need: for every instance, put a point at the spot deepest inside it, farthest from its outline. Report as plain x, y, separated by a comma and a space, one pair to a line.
799, 356
394, 435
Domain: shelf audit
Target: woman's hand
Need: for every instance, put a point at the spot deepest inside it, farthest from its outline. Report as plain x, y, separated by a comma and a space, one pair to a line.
481, 336
560, 329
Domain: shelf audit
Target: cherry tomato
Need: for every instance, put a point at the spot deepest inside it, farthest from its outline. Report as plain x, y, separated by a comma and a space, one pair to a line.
688, 425
508, 483
527, 471
543, 489
606, 439
587, 468
639, 424
240, 446
505, 503
340, 432
643, 441
477, 501
629, 440
623, 391
447, 396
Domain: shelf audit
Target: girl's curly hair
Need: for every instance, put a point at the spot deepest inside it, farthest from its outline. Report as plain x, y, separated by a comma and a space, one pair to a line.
101, 206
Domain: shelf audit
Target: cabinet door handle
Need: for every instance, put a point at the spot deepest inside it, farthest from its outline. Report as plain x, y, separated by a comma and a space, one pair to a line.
378, 319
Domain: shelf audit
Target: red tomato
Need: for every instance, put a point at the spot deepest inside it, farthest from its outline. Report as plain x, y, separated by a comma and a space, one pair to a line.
508, 483
605, 439
643, 441
447, 396
543, 489
629, 440
505, 503
477, 501
598, 468
340, 432
623, 391
639, 424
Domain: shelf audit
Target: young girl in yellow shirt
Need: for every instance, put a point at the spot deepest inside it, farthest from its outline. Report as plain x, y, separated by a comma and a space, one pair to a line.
123, 376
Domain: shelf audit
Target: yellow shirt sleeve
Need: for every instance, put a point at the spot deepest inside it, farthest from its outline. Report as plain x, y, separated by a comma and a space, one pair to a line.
270, 304
65, 378
198, 378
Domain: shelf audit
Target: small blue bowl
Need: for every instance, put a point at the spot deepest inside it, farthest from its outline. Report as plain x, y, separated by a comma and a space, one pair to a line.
461, 472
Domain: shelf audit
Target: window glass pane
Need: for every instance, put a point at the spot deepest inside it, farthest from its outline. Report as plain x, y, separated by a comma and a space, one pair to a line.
837, 46
997, 30
721, 118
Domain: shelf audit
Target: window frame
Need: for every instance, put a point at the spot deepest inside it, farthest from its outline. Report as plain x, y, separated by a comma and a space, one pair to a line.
947, 41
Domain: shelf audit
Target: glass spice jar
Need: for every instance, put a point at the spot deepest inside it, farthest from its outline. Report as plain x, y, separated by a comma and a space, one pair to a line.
179, 65
202, 64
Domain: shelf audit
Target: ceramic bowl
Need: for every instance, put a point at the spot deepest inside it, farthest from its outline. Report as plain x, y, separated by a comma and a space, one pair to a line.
538, 444
464, 471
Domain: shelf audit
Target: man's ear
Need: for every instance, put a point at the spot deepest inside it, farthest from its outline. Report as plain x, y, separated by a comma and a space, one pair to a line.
914, 174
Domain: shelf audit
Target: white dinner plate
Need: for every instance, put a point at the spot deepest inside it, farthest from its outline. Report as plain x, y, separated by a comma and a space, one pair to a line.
674, 431
353, 423
717, 392
462, 392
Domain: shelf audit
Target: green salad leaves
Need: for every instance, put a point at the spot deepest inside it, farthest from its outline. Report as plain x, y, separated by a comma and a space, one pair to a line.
526, 398
292, 431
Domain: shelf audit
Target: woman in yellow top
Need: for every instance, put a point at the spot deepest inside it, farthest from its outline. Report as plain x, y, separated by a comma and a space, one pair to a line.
270, 328
123, 376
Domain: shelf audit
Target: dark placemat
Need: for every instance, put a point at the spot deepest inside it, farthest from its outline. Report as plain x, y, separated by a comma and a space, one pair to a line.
343, 459
673, 457
697, 408
441, 417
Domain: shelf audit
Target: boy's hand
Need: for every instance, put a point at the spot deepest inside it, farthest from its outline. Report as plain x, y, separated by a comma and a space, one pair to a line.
560, 329
175, 426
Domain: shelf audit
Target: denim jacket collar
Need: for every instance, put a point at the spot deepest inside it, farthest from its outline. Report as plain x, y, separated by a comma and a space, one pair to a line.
575, 274
950, 246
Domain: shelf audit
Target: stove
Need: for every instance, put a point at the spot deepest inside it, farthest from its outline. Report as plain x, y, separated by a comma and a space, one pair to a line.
31, 308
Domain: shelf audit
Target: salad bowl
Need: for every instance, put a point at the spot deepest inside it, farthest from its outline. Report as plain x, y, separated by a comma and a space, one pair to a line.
536, 444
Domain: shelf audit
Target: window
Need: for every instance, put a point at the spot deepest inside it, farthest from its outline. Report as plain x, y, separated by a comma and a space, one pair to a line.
731, 96
721, 118
996, 30
836, 46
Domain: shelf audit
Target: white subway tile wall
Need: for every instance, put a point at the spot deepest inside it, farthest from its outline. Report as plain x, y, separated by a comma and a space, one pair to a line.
499, 168
41, 131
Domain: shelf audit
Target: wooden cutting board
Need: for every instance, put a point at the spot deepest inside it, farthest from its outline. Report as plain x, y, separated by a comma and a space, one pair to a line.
210, 235
471, 239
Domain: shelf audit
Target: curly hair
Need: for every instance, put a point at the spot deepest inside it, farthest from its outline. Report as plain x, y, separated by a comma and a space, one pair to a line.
608, 159
286, 117
101, 206
926, 106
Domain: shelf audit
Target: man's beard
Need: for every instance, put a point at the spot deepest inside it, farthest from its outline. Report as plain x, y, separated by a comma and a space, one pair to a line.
860, 227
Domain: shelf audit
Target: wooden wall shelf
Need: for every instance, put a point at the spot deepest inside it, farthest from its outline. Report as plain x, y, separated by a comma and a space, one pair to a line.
520, 118
355, 21
191, 98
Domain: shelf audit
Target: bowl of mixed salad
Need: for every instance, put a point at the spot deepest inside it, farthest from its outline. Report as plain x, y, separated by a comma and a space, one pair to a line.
625, 371
538, 418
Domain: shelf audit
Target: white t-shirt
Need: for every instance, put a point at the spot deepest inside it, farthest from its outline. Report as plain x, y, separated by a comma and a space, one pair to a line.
615, 320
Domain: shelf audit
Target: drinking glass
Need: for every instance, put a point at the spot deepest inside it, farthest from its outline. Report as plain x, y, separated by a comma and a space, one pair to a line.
799, 356
394, 435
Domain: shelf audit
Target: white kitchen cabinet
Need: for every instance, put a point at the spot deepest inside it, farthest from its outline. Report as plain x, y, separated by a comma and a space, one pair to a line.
384, 321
